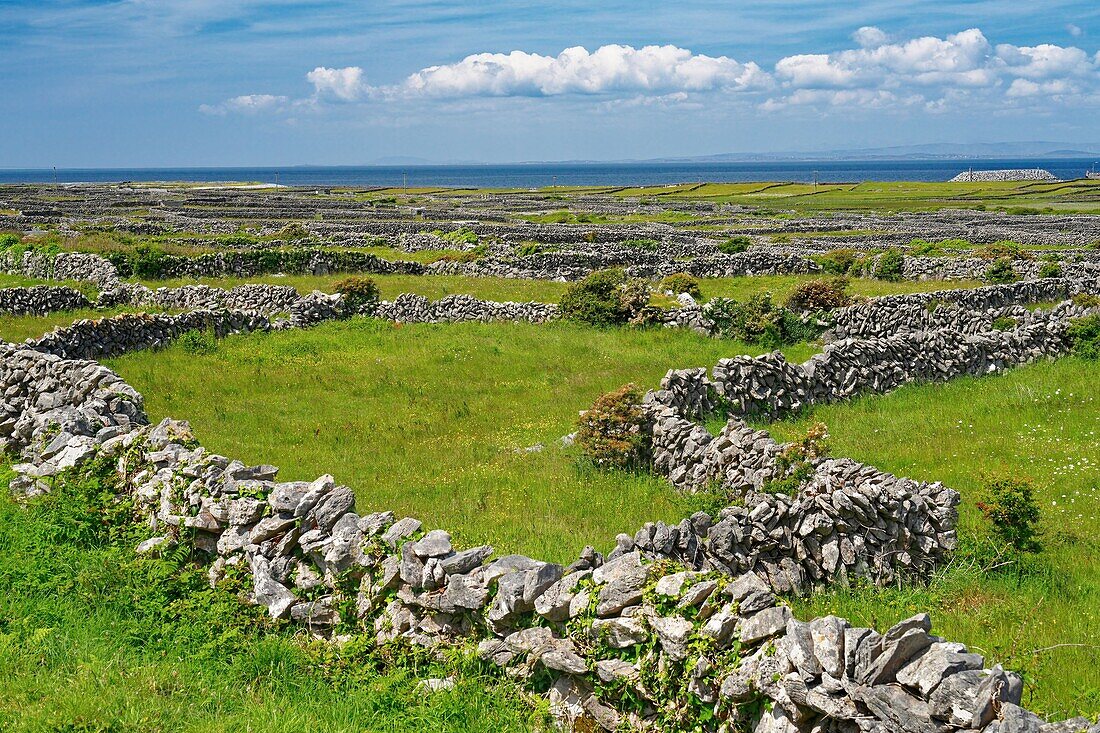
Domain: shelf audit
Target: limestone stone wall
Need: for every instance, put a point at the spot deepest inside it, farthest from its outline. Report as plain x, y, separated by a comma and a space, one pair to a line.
608, 631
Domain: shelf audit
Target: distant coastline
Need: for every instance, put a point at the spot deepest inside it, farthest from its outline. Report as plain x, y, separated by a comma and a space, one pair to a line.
532, 175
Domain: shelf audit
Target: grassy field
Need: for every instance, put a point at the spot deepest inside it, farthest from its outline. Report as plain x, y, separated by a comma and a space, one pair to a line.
433, 420
94, 639
1041, 422
546, 291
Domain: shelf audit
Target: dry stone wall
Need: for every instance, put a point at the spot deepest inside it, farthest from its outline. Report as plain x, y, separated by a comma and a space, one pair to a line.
609, 632
41, 299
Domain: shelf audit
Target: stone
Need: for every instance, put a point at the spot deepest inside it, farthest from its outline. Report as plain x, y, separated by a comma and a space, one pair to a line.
399, 530
620, 632
613, 670
925, 672
276, 597
768, 622
553, 604
827, 633
896, 653
800, 649
463, 562
673, 632
435, 543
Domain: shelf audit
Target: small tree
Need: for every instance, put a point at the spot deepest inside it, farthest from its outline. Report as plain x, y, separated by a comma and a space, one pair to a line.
612, 433
360, 293
1009, 505
1084, 335
889, 265
838, 261
681, 282
735, 245
819, 295
1001, 272
605, 298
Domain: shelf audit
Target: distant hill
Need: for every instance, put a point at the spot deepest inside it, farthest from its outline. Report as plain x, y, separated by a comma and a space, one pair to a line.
1034, 149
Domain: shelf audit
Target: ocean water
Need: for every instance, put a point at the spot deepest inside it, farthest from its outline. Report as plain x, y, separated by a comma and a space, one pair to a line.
563, 174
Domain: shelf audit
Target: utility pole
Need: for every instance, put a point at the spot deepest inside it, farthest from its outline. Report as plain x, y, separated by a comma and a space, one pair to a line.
55, 175
405, 182
815, 181
276, 179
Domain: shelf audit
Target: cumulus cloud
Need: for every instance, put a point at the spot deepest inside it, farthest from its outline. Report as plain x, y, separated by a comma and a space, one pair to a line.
346, 84
608, 69
878, 72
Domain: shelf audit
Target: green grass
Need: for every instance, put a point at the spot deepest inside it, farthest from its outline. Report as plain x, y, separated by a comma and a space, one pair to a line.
546, 291
431, 420
94, 639
1041, 422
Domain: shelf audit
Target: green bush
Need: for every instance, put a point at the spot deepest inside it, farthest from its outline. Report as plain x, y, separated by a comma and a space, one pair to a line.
1001, 271
1084, 335
681, 282
795, 464
1050, 269
527, 249
149, 262
1002, 249
1086, 300
605, 298
358, 292
1010, 506
735, 245
889, 265
759, 321
458, 236
838, 261
1004, 323
612, 433
8, 240
294, 231
819, 295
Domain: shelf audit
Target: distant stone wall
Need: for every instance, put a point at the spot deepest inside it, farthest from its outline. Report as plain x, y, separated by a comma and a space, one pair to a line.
40, 300
410, 308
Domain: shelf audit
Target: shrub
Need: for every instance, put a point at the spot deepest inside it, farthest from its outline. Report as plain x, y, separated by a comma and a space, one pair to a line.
838, 261
1001, 271
294, 231
595, 299
1003, 248
468, 255
1050, 269
458, 236
612, 433
735, 245
8, 240
794, 465
819, 295
1084, 335
358, 292
889, 265
1086, 300
759, 321
527, 249
681, 282
149, 262
1010, 506
1003, 323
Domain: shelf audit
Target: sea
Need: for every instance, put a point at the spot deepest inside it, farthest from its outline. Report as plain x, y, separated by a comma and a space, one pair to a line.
535, 175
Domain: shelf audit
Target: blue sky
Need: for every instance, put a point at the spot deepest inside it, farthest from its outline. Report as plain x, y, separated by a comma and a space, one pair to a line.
283, 82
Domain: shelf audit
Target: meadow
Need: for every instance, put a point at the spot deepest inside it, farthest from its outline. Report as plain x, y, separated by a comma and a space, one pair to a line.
94, 639
1040, 614
433, 420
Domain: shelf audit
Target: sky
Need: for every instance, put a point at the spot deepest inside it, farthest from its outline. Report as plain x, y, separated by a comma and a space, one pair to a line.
126, 83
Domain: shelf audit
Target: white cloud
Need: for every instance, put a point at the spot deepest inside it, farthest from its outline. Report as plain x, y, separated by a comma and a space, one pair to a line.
869, 36
607, 70
346, 84
937, 73
1074, 30
247, 104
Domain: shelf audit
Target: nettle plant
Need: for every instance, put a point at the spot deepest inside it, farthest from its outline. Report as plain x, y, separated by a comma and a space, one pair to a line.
795, 464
